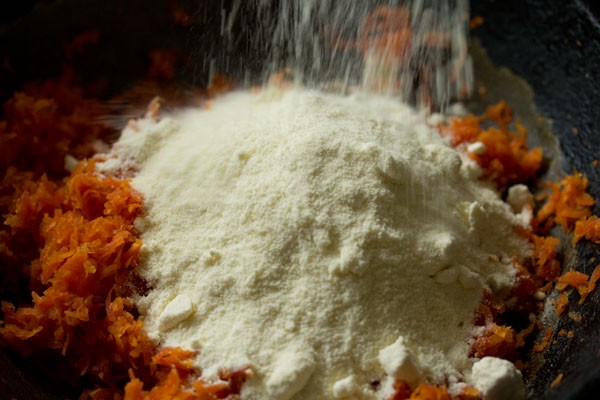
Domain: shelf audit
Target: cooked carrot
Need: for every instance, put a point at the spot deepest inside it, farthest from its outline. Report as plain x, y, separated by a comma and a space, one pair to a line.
545, 251
587, 228
567, 203
175, 358
572, 278
175, 385
46, 121
583, 283
88, 249
495, 341
556, 380
507, 159
591, 284
427, 392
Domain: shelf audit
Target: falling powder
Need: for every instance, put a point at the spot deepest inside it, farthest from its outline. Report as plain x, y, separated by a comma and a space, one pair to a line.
331, 242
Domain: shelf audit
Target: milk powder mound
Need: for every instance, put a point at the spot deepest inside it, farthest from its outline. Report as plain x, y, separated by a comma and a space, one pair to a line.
309, 232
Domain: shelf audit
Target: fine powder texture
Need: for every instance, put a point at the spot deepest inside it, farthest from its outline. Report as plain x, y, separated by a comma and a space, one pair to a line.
328, 241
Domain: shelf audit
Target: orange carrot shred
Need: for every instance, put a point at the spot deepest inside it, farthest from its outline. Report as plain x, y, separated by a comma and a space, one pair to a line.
566, 203
587, 228
572, 278
507, 160
545, 250
556, 380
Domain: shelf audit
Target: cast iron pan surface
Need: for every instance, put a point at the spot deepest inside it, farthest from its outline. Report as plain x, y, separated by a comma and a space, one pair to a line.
554, 45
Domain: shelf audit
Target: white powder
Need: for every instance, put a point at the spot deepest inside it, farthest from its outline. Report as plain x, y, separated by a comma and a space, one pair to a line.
399, 363
498, 379
308, 232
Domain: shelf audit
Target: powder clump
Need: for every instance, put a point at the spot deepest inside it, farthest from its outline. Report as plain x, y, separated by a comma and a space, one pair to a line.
310, 232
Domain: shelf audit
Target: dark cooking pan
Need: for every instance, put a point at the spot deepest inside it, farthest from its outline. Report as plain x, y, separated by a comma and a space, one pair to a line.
553, 45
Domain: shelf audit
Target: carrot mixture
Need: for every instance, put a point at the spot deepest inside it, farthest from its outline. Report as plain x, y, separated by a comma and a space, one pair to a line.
506, 161
587, 228
44, 122
71, 242
567, 204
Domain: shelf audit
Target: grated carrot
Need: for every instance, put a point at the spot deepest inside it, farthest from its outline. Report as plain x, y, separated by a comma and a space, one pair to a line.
175, 357
584, 292
556, 380
88, 249
46, 121
174, 384
566, 203
507, 160
587, 228
545, 250
496, 341
572, 278
583, 283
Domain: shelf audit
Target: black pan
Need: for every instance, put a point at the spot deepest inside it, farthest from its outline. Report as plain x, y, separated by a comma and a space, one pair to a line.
554, 45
